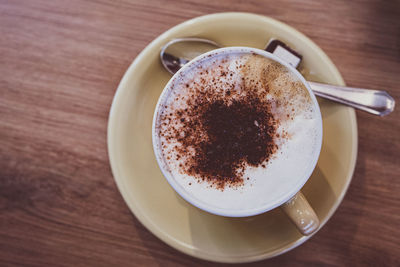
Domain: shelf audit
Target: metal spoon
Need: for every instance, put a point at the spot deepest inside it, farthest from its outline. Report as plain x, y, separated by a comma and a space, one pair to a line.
377, 102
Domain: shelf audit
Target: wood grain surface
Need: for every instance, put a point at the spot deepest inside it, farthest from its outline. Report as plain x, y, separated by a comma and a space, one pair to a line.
60, 64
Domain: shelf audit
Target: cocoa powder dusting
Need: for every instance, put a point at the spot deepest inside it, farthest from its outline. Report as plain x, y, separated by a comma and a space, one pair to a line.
237, 134
221, 130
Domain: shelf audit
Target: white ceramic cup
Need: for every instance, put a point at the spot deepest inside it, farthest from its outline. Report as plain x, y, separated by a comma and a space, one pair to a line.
293, 202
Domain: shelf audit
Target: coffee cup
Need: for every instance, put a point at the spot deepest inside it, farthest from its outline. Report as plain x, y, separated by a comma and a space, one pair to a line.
237, 132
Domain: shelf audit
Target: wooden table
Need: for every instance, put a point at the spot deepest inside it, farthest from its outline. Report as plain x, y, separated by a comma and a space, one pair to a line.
60, 64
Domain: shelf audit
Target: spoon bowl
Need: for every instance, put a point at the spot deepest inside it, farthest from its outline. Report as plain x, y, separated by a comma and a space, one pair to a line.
180, 51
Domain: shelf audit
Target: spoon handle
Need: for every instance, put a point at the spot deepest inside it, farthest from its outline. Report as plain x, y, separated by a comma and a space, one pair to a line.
373, 101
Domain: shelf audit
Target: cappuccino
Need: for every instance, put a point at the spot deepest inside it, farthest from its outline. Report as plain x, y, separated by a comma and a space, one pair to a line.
236, 130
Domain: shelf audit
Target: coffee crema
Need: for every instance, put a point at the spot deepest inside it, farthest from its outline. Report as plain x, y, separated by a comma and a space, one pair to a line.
235, 124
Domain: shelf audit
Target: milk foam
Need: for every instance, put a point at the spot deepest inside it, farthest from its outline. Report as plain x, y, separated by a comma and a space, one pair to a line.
299, 130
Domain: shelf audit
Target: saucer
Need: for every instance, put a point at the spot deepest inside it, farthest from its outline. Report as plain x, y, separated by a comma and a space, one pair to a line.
162, 211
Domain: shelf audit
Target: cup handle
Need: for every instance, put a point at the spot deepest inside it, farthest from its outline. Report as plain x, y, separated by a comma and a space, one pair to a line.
301, 214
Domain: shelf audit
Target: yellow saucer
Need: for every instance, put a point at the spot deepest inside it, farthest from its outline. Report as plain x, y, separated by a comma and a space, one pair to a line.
168, 216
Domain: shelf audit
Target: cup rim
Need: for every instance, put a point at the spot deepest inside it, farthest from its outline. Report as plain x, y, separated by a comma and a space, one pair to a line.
220, 211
